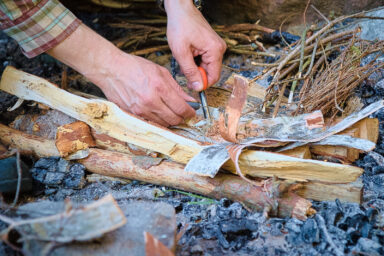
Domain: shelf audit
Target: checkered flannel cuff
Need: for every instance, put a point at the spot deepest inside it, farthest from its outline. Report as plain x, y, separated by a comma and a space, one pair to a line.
42, 27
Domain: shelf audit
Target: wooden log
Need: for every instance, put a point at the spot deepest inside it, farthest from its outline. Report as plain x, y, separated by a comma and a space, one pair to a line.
166, 173
367, 128
27, 144
158, 174
107, 118
351, 192
302, 152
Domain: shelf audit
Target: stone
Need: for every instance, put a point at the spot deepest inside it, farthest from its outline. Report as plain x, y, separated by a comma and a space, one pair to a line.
158, 219
9, 176
373, 29
272, 13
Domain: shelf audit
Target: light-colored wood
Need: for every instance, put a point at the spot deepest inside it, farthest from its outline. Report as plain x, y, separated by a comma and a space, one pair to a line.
369, 129
28, 144
351, 192
105, 117
263, 164
302, 152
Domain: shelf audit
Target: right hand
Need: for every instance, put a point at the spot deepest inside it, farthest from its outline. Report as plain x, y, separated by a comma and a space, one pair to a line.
147, 90
133, 83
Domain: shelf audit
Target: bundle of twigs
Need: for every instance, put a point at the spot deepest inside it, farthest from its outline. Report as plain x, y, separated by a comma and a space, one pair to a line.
332, 87
308, 59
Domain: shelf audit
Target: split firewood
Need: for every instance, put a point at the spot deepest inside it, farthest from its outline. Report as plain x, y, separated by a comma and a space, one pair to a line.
367, 128
299, 152
350, 192
75, 224
73, 137
107, 118
165, 173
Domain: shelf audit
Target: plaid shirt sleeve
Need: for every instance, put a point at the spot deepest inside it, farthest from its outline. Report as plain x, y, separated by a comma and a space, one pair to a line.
37, 25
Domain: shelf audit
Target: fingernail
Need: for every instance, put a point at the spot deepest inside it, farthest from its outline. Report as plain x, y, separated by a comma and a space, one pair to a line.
196, 86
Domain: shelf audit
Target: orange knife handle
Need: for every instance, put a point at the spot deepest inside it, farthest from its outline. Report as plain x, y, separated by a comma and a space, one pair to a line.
205, 78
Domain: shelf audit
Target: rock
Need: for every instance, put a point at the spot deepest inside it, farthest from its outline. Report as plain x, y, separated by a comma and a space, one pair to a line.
373, 29
272, 13
9, 176
366, 246
156, 218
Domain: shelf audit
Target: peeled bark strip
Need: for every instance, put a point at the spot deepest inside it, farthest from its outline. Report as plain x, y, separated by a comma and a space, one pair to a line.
73, 137
81, 224
105, 117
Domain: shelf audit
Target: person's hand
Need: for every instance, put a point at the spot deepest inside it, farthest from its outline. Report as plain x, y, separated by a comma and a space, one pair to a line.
147, 90
133, 83
189, 35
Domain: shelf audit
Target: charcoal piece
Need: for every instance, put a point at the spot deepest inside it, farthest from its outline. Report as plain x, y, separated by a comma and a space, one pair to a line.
210, 231
225, 202
47, 163
310, 232
277, 38
62, 194
377, 170
38, 174
293, 227
366, 230
379, 179
196, 249
352, 236
63, 165
75, 177
356, 221
276, 229
222, 241
236, 210
372, 214
367, 246
53, 178
242, 226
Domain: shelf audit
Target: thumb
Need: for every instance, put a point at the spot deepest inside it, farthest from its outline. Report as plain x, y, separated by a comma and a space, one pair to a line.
189, 69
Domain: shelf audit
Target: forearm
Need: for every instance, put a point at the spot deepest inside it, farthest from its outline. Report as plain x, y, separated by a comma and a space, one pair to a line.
88, 53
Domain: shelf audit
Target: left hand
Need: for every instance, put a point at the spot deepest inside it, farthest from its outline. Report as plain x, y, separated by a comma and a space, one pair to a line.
189, 35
